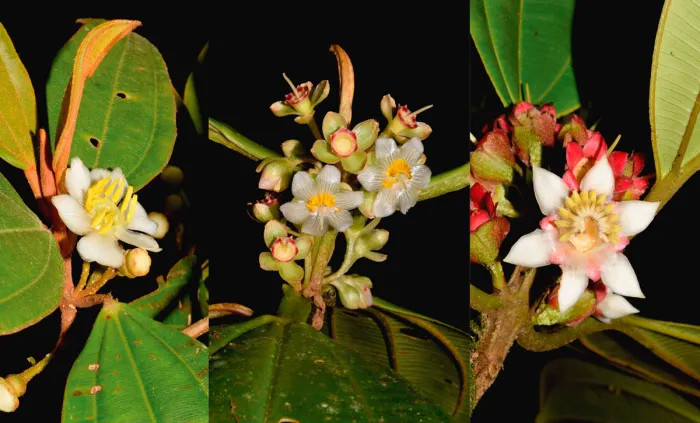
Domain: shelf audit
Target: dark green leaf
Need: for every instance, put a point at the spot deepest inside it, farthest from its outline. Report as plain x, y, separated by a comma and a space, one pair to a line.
289, 372
134, 369
127, 112
31, 266
169, 290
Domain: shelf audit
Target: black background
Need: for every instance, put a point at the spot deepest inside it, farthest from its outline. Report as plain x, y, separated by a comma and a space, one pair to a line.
613, 45
37, 38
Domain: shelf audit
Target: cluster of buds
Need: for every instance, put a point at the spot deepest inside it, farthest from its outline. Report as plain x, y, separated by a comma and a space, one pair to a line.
533, 128
402, 124
487, 228
597, 301
284, 251
302, 101
365, 240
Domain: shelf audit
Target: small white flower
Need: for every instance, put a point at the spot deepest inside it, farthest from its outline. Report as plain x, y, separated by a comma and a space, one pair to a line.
585, 232
320, 202
102, 208
396, 175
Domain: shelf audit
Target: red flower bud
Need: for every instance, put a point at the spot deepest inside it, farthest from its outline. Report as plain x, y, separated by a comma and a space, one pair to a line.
494, 159
532, 129
626, 169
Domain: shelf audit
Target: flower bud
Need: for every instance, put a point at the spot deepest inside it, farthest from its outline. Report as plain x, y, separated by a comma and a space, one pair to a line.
548, 312
9, 397
304, 244
172, 175
292, 273
274, 229
173, 204
162, 222
301, 101
494, 159
267, 209
284, 249
487, 229
574, 130
532, 129
368, 203
354, 291
403, 126
137, 263
626, 169
276, 174
376, 239
293, 149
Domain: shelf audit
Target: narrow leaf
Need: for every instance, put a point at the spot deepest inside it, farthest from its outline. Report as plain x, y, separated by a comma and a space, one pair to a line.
18, 122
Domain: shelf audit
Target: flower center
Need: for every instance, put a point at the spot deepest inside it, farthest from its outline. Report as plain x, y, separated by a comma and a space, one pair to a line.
344, 142
587, 220
322, 199
398, 169
101, 204
284, 249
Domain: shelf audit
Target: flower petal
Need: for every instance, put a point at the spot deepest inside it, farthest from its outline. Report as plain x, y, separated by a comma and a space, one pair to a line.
599, 178
77, 179
531, 250
617, 273
635, 215
72, 213
573, 283
385, 203
366, 133
420, 176
371, 178
328, 178
385, 148
550, 190
322, 151
102, 249
341, 221
97, 174
615, 306
303, 186
411, 151
139, 240
407, 199
140, 221
295, 211
315, 225
349, 200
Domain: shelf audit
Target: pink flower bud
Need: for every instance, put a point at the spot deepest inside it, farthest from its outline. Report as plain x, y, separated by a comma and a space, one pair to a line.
494, 159
532, 128
626, 169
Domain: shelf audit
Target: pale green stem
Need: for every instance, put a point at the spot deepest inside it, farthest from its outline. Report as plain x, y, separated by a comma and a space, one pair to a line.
108, 275
446, 182
326, 245
483, 302
225, 135
84, 274
497, 277
535, 341
314, 129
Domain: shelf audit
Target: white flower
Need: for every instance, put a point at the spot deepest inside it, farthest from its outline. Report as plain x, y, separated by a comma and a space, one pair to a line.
584, 232
103, 209
320, 202
613, 306
396, 175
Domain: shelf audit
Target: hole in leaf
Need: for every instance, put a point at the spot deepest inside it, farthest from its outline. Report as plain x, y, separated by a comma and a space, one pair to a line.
95, 142
415, 333
121, 95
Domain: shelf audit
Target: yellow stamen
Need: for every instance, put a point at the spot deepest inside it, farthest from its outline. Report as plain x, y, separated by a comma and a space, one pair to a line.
127, 198
98, 218
118, 191
323, 199
132, 208
587, 220
394, 170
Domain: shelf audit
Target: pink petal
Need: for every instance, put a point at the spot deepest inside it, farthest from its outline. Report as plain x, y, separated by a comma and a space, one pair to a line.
617, 160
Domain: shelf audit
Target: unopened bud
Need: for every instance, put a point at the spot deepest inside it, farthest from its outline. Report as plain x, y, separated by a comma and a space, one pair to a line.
267, 209
276, 175
137, 263
548, 312
532, 129
173, 204
293, 148
354, 291
486, 240
172, 175
368, 204
9, 397
494, 159
284, 249
162, 222
376, 239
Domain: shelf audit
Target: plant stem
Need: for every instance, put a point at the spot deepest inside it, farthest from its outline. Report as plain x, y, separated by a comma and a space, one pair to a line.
497, 277
309, 261
197, 329
668, 186
314, 129
108, 275
483, 302
313, 290
224, 309
84, 274
446, 182
223, 134
535, 341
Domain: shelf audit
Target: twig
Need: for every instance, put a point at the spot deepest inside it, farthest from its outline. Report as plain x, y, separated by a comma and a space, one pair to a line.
197, 329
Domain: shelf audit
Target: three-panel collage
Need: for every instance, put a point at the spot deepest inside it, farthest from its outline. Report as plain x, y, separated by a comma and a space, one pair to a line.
258, 214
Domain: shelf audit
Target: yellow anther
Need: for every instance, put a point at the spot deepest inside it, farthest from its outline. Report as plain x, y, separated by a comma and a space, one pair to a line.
322, 199
127, 199
110, 188
592, 197
608, 209
576, 198
94, 192
565, 213
601, 199
566, 235
97, 220
569, 202
613, 218
132, 208
107, 225
562, 223
118, 191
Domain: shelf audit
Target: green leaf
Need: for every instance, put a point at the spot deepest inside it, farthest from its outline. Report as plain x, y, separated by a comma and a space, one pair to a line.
225, 135
526, 44
288, 372
136, 369
127, 112
18, 124
573, 390
30, 264
191, 99
683, 355
674, 94
169, 292
610, 346
431, 355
